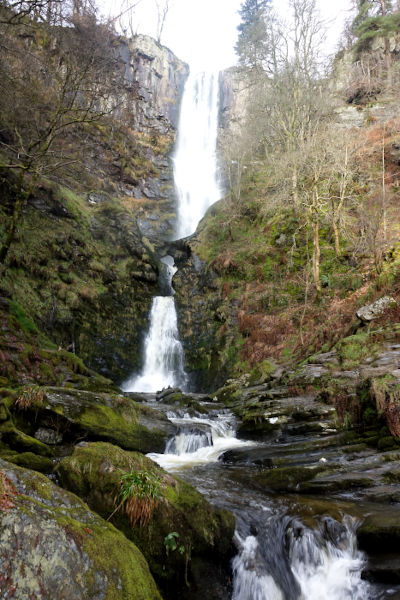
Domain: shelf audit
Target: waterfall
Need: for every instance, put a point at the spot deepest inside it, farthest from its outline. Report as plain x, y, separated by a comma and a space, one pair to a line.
195, 176
199, 441
195, 162
163, 351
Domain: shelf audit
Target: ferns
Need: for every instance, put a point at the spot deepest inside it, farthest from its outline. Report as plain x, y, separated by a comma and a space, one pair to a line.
139, 493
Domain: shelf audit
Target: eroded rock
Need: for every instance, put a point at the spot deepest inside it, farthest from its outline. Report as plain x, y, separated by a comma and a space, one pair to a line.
376, 309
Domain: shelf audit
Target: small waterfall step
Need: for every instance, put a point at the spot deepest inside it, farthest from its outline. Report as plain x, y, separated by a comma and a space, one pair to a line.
163, 352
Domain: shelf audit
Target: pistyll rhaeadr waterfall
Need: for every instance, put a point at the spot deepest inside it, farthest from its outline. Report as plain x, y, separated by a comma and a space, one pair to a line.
195, 175
195, 159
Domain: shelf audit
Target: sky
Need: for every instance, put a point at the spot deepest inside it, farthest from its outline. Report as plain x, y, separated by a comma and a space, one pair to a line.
203, 32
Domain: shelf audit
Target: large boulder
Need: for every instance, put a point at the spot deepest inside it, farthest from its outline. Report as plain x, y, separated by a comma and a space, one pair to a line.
53, 546
380, 532
376, 309
204, 535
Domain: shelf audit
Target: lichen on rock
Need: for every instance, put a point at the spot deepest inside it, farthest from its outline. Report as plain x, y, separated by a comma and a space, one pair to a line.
53, 546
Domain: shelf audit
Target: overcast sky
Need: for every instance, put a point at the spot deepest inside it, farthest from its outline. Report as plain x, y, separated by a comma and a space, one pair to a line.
204, 32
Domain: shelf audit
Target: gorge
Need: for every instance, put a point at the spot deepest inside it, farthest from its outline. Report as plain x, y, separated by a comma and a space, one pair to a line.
189, 408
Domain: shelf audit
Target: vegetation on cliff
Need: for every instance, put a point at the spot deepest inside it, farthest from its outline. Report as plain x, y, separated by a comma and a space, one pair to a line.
75, 179
308, 232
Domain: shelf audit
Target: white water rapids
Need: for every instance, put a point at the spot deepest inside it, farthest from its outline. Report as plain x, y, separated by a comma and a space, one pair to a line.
286, 560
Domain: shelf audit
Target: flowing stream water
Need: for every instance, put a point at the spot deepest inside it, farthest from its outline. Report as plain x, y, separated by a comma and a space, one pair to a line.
279, 556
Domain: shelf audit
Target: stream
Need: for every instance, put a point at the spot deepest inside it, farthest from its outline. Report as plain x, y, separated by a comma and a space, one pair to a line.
289, 548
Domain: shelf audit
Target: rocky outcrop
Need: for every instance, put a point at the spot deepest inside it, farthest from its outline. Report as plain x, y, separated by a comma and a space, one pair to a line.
198, 304
234, 97
155, 78
53, 546
376, 309
201, 536
60, 416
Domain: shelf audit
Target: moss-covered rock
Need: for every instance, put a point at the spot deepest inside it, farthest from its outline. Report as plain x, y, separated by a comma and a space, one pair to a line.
204, 535
380, 532
20, 441
98, 416
285, 478
53, 546
31, 461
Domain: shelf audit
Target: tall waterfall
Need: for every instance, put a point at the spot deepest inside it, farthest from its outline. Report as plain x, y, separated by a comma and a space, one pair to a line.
195, 162
195, 175
163, 352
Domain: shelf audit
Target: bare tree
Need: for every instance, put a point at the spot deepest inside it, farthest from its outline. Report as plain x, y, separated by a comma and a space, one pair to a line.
163, 7
47, 96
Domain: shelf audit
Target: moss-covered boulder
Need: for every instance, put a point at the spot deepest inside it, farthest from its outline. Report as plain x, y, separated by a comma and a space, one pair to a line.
285, 478
95, 416
380, 532
29, 460
203, 540
53, 546
22, 442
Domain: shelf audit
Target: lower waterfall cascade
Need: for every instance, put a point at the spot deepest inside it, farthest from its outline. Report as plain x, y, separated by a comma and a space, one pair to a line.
163, 352
279, 557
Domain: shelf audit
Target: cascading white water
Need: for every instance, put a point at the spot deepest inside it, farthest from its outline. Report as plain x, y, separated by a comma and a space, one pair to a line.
163, 351
195, 161
199, 441
321, 568
195, 175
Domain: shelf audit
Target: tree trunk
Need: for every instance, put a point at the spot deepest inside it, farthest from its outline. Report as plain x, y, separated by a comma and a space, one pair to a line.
336, 235
19, 203
316, 260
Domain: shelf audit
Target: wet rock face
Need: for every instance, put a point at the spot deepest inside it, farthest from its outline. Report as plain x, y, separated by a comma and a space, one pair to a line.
156, 77
197, 299
53, 546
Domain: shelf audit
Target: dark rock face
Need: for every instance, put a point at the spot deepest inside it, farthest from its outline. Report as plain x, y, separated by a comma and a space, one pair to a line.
157, 77
198, 301
47, 534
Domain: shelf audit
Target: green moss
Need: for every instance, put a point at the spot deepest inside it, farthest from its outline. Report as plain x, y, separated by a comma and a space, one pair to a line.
25, 322
285, 478
94, 471
105, 554
262, 372
22, 442
354, 349
30, 461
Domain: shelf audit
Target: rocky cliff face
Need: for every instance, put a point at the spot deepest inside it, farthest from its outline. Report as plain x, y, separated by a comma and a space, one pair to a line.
155, 79
89, 280
234, 95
